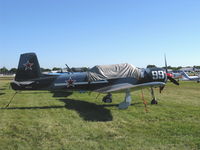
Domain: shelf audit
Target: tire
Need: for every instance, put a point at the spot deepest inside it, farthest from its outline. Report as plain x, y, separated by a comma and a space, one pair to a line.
154, 102
107, 100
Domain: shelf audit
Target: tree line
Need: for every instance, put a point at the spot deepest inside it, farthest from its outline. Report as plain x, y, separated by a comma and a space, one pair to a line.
4, 70
174, 68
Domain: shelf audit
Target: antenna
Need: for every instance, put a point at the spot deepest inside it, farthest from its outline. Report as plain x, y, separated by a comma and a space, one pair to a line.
68, 69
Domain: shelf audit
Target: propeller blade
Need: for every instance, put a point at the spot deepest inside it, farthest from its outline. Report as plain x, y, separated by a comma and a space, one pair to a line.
173, 80
169, 75
161, 88
166, 64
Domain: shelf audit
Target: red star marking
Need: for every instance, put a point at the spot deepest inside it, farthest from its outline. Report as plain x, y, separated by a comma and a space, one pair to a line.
28, 65
70, 82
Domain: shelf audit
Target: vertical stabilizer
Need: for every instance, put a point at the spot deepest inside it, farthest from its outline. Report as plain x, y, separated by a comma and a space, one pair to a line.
185, 75
28, 67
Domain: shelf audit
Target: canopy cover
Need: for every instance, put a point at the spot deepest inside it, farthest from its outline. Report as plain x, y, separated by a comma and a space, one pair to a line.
105, 72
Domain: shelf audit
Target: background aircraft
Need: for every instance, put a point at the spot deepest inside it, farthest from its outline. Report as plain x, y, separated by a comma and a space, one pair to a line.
177, 75
102, 79
186, 77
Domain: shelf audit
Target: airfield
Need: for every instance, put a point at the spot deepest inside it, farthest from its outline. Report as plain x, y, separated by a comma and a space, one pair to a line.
44, 120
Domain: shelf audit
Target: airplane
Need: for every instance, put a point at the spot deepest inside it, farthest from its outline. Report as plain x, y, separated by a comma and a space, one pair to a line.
186, 77
177, 74
173, 74
105, 79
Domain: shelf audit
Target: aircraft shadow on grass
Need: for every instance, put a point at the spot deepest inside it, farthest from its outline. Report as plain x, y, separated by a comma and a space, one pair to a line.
89, 111
2, 93
86, 110
61, 94
55, 94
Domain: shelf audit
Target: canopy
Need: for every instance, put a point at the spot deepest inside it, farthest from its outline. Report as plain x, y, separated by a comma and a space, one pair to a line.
105, 72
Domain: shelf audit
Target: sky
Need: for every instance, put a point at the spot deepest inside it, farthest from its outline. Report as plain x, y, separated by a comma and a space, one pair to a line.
99, 32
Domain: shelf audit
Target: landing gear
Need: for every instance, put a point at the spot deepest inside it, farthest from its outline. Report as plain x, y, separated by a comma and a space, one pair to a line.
154, 101
127, 100
107, 98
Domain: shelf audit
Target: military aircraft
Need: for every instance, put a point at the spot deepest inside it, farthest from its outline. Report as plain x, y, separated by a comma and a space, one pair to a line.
103, 79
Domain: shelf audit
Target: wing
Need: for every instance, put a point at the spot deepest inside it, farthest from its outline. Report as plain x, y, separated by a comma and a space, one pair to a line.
123, 86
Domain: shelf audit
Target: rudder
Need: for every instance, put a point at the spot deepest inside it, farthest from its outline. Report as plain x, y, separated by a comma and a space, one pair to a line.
28, 67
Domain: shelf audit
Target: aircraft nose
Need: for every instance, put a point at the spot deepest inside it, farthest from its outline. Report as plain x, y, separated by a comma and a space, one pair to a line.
169, 75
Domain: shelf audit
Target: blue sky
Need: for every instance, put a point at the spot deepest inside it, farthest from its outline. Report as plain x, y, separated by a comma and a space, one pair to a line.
91, 32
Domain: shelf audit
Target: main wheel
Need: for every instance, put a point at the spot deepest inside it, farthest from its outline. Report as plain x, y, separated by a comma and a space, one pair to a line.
154, 102
107, 99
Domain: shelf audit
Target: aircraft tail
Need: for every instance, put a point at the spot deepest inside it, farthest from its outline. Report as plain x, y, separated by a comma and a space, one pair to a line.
185, 75
28, 67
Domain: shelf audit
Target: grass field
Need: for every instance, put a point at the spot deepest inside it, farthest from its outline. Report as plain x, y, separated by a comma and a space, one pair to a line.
43, 120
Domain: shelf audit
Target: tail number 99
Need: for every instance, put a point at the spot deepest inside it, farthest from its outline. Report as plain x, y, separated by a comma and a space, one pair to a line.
158, 75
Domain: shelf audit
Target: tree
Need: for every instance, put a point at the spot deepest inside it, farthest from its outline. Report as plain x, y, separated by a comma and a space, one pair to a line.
13, 70
82, 69
45, 70
85, 69
4, 70
197, 67
151, 66
178, 68
56, 69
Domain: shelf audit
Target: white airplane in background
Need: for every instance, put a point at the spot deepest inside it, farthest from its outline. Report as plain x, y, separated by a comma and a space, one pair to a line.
186, 77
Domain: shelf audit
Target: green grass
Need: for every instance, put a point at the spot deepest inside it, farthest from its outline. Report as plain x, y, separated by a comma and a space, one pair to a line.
42, 120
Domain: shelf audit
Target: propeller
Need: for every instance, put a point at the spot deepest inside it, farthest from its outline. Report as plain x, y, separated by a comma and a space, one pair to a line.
166, 64
173, 80
169, 75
